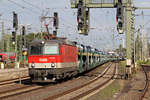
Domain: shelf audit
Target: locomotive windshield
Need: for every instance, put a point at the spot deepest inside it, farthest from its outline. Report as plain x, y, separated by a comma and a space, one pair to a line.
36, 50
51, 49
48, 48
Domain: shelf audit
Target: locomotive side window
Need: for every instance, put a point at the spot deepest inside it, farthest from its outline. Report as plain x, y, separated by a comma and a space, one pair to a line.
36, 50
51, 49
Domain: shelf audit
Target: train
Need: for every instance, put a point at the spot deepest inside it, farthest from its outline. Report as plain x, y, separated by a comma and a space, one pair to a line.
8, 57
57, 59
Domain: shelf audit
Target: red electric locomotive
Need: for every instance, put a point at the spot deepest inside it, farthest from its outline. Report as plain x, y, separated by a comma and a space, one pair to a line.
52, 60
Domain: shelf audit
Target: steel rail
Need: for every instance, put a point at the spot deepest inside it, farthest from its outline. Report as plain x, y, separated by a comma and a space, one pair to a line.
95, 88
78, 87
13, 80
146, 85
18, 91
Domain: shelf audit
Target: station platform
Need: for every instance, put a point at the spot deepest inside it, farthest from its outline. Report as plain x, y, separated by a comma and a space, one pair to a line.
13, 73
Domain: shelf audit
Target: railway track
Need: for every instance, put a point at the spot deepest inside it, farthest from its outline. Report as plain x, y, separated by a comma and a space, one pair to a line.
10, 93
19, 88
11, 82
144, 91
63, 95
19, 91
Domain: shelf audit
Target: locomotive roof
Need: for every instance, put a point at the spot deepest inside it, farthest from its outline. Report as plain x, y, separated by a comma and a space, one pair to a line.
58, 40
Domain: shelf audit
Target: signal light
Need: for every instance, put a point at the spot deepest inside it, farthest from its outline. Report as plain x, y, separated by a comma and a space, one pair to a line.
120, 1
87, 14
80, 26
79, 11
80, 2
25, 53
55, 33
23, 35
120, 24
55, 23
120, 17
80, 21
82, 18
120, 11
23, 31
13, 37
87, 21
15, 20
120, 27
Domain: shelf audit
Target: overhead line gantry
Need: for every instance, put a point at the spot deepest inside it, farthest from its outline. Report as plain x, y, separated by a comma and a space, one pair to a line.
83, 21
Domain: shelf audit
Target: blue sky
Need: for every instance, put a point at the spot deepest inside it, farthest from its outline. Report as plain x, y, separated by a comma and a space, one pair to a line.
103, 21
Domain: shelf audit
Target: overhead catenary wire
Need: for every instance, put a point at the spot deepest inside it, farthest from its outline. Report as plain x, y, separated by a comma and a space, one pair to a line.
23, 7
144, 15
26, 8
32, 5
64, 8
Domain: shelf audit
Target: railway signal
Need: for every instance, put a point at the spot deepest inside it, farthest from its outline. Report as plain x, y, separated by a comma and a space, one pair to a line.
23, 36
82, 18
120, 27
55, 23
15, 20
14, 33
120, 17
13, 37
24, 51
55, 33
87, 20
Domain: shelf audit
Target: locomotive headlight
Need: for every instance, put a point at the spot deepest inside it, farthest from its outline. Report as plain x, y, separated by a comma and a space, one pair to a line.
32, 65
42, 42
53, 65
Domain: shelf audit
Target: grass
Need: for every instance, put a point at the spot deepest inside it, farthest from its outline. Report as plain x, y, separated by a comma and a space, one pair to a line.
123, 66
143, 62
115, 87
140, 62
108, 92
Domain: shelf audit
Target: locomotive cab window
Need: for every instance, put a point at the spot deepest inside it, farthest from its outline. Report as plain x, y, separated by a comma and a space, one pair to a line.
36, 50
51, 49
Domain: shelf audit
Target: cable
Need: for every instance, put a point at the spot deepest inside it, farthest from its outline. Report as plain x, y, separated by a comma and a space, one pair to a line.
31, 4
144, 15
16, 4
23, 6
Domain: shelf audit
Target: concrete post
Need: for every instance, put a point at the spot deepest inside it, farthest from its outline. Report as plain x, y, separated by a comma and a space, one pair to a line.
2, 65
17, 64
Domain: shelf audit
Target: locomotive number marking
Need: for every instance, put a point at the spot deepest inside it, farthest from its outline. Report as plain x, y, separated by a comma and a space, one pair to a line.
51, 57
43, 59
